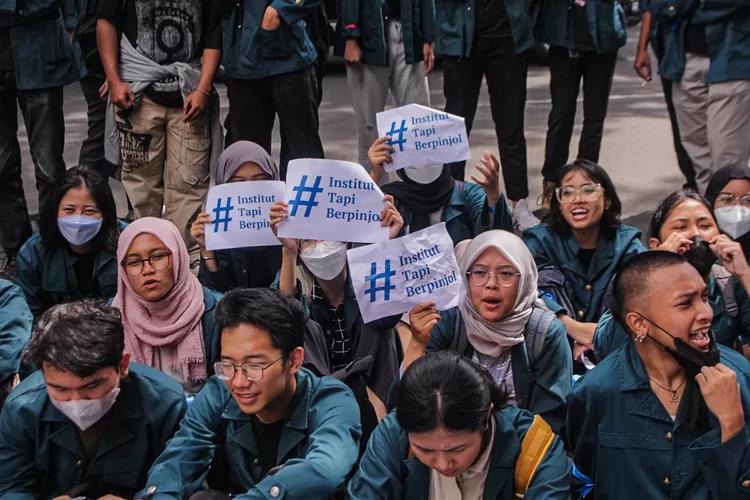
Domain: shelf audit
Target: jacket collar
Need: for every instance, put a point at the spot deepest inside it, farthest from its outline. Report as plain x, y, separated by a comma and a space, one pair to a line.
603, 256
634, 379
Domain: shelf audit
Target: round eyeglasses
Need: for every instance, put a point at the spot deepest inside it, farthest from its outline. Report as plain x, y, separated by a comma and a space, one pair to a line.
251, 371
158, 261
725, 199
480, 276
588, 192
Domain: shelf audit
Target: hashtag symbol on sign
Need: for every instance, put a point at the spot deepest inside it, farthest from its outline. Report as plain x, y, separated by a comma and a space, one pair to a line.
400, 131
374, 277
303, 188
219, 210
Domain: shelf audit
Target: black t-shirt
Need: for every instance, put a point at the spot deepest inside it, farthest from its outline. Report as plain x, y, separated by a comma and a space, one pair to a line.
268, 437
6, 51
166, 31
582, 38
584, 257
695, 40
392, 9
491, 19
84, 270
86, 37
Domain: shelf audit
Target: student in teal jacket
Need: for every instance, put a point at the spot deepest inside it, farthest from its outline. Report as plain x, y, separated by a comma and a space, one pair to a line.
88, 423
453, 436
15, 330
281, 431
668, 414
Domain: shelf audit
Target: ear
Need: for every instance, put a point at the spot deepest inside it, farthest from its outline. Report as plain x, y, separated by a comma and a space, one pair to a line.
654, 244
638, 326
125, 364
296, 357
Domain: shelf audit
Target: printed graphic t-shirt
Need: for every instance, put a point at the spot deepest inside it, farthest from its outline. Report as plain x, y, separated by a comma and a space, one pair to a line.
166, 31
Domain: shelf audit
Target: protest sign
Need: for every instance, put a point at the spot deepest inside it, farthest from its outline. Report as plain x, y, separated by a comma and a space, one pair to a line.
423, 136
240, 211
332, 200
391, 278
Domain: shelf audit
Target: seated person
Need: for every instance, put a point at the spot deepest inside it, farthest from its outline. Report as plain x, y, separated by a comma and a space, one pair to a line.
89, 422
666, 415
73, 255
453, 437
15, 330
503, 326
580, 247
428, 195
167, 314
222, 270
286, 432
728, 195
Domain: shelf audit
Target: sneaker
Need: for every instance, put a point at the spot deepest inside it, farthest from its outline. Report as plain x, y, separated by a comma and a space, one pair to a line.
548, 191
523, 218
8, 267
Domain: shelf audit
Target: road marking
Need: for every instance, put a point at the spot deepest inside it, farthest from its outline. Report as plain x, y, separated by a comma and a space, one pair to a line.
616, 97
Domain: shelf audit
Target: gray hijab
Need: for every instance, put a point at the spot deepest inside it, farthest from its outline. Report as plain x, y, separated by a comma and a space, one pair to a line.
242, 152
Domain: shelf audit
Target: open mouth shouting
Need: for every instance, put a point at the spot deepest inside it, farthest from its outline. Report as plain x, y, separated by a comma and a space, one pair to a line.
491, 303
579, 214
701, 339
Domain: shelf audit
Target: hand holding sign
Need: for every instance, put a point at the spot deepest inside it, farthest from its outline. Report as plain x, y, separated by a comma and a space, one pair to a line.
422, 319
279, 212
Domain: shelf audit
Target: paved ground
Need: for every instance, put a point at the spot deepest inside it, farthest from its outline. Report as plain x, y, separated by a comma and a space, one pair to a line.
637, 148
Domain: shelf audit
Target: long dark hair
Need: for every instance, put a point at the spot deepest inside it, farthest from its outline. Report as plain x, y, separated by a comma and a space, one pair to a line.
98, 186
611, 216
661, 214
444, 389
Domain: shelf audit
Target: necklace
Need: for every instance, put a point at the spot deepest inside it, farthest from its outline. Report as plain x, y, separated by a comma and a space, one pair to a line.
674, 398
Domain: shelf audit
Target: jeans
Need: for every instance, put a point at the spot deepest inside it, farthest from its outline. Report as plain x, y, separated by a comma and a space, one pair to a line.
566, 73
495, 59
42, 112
254, 104
92, 148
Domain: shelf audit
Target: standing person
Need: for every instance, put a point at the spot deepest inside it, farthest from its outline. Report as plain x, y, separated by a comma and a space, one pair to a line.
584, 38
269, 61
167, 112
386, 46
27, 35
490, 38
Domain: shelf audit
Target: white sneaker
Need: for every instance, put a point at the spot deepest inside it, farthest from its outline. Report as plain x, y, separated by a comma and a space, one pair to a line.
523, 218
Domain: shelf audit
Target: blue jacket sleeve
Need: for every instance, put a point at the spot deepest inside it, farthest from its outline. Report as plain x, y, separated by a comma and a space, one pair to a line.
743, 302
15, 328
609, 336
427, 21
349, 17
18, 451
69, 9
440, 336
29, 276
537, 249
292, 11
554, 373
478, 209
221, 280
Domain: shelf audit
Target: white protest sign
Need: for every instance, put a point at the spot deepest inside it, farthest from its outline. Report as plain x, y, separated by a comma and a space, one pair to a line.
423, 136
332, 200
391, 278
240, 211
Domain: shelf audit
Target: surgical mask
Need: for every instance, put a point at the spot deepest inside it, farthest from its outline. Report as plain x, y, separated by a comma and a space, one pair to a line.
86, 412
326, 259
424, 175
79, 229
733, 220
700, 255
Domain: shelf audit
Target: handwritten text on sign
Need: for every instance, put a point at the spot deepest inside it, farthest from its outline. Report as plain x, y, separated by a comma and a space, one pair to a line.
391, 278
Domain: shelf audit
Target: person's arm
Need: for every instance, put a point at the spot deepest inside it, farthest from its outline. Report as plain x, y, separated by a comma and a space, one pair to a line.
379, 473
29, 279
642, 64
69, 11
425, 324
120, 92
15, 330
216, 272
18, 446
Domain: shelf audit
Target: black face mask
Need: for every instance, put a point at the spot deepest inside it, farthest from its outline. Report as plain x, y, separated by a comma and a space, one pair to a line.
700, 255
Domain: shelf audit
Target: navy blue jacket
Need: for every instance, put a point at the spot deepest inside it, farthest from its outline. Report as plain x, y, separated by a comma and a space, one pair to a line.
606, 20
15, 328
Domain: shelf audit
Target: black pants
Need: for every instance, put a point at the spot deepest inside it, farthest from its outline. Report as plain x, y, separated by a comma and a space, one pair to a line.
42, 112
683, 158
92, 148
495, 59
254, 104
566, 73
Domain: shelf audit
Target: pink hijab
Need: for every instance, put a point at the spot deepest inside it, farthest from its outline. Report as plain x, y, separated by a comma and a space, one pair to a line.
173, 325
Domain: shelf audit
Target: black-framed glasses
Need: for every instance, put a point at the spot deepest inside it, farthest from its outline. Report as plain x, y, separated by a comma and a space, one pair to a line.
251, 371
587, 192
480, 276
158, 261
730, 199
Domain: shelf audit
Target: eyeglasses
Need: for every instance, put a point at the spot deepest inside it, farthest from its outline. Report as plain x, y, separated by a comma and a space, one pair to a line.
587, 192
480, 276
252, 371
730, 199
158, 261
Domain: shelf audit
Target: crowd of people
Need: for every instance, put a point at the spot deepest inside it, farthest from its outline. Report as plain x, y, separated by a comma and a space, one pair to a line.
579, 362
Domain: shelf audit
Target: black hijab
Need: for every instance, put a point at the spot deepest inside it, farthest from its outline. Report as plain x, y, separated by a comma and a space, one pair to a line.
422, 199
718, 181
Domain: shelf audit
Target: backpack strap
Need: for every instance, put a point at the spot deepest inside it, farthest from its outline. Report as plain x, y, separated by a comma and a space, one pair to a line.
536, 331
725, 280
534, 447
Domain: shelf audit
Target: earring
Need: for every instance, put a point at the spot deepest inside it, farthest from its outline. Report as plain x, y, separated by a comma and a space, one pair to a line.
640, 338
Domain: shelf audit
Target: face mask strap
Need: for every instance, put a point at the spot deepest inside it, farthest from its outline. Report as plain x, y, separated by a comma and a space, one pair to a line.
641, 339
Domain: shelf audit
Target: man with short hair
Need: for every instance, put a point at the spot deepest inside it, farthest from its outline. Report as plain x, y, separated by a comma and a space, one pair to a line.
88, 423
281, 431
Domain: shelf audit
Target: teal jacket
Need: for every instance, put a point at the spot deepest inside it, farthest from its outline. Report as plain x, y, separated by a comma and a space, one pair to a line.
15, 328
606, 19
467, 214
589, 286
318, 447
456, 22
41, 455
385, 472
362, 20
626, 443
541, 388
727, 26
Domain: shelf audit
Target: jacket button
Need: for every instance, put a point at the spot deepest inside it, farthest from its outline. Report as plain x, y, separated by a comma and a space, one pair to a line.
256, 462
746, 483
671, 8
79, 463
244, 271
580, 314
239, 26
668, 437
666, 481
274, 491
298, 2
151, 490
589, 287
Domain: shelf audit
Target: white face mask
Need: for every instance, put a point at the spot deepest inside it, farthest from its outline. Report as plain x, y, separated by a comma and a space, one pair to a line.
325, 260
86, 412
79, 229
424, 175
734, 220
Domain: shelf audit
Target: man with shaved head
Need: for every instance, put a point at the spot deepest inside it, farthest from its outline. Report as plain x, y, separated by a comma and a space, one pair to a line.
665, 415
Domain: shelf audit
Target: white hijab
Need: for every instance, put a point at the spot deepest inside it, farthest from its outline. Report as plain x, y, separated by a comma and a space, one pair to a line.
493, 337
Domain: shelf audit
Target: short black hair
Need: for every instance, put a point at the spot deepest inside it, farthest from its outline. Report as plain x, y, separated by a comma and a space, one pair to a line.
661, 214
631, 281
610, 221
445, 389
98, 186
77, 337
281, 316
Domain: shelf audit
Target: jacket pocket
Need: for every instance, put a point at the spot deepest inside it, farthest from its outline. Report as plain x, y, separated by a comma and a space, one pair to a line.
52, 42
281, 43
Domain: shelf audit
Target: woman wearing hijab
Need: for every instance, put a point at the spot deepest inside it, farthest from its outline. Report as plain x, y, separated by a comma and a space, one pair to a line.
728, 193
502, 325
253, 267
428, 195
168, 316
